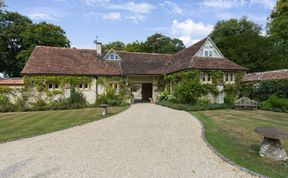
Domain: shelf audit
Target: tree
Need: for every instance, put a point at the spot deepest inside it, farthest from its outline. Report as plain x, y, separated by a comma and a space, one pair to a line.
156, 43
135, 47
116, 45
41, 34
2, 4
241, 41
159, 43
277, 30
11, 26
19, 36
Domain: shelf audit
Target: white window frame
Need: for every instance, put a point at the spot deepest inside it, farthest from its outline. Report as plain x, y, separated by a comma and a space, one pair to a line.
83, 86
229, 77
205, 78
53, 86
208, 51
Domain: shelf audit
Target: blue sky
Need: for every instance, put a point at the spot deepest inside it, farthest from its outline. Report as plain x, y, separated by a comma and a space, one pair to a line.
131, 20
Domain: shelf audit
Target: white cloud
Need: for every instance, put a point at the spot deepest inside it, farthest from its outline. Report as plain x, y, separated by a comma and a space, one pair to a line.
130, 6
136, 18
227, 4
172, 7
189, 31
44, 14
269, 4
112, 16
222, 4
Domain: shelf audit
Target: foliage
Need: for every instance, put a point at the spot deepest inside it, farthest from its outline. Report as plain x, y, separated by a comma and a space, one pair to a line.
242, 42
41, 82
275, 103
187, 87
261, 90
116, 45
165, 96
156, 43
189, 107
5, 90
278, 31
5, 103
12, 24
39, 105
110, 97
18, 38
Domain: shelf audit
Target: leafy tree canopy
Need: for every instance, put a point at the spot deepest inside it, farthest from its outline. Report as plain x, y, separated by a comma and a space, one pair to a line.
156, 43
18, 38
241, 41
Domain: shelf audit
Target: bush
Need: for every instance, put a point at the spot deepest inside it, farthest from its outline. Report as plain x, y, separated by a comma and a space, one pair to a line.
189, 107
275, 103
188, 91
5, 104
111, 99
39, 105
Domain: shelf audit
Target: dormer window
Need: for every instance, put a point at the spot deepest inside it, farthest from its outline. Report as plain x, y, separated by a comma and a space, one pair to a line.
208, 52
112, 56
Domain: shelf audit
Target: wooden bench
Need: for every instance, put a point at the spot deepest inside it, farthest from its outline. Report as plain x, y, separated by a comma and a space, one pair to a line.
245, 103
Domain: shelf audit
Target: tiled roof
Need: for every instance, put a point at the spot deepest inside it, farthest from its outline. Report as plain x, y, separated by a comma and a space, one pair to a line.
70, 61
11, 81
144, 63
211, 63
182, 59
268, 75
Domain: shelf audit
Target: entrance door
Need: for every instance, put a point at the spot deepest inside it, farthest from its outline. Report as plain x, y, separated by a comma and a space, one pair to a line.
146, 91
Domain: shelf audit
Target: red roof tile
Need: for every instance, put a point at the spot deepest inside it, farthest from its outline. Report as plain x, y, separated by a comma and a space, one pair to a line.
268, 75
11, 81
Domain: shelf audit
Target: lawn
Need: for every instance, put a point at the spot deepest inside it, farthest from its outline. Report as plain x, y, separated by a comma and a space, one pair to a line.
231, 132
16, 125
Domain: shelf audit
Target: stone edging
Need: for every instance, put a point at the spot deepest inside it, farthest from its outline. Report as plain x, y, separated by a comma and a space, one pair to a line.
223, 157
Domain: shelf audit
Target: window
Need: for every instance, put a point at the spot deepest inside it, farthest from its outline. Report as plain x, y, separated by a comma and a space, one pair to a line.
229, 77
208, 51
53, 86
83, 86
112, 56
205, 77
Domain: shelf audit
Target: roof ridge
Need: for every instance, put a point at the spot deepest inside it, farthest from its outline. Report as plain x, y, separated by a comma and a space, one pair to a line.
271, 71
145, 53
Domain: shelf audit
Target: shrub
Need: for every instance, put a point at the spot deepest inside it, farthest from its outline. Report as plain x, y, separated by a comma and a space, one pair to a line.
5, 104
39, 105
275, 103
188, 91
189, 107
111, 99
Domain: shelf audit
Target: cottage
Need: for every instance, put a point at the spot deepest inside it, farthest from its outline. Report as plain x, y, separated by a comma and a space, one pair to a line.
141, 70
266, 76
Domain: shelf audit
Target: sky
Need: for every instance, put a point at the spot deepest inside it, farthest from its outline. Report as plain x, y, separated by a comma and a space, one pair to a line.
131, 20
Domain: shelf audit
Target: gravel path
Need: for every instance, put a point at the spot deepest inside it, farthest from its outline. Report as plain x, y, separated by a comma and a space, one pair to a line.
144, 141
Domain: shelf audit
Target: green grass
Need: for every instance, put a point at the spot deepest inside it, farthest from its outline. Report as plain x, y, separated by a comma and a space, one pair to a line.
231, 132
16, 125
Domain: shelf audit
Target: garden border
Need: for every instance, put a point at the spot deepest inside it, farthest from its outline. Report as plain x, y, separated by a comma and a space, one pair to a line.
227, 160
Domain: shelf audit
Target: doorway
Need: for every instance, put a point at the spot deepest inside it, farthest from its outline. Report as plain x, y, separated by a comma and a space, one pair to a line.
146, 91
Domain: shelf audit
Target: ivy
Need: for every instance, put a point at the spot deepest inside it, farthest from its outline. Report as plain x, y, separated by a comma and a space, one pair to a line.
40, 83
194, 88
5, 90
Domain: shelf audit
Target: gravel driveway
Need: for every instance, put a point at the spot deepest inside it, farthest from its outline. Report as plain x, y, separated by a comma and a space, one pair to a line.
144, 141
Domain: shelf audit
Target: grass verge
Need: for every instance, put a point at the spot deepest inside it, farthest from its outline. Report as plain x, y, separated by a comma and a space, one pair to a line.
231, 133
17, 125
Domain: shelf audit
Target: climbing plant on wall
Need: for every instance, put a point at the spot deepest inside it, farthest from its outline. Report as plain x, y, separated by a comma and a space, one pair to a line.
187, 87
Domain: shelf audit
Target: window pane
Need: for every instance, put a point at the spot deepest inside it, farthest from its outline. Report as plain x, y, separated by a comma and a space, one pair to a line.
227, 77
80, 85
210, 53
50, 86
202, 76
86, 85
205, 53
56, 86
